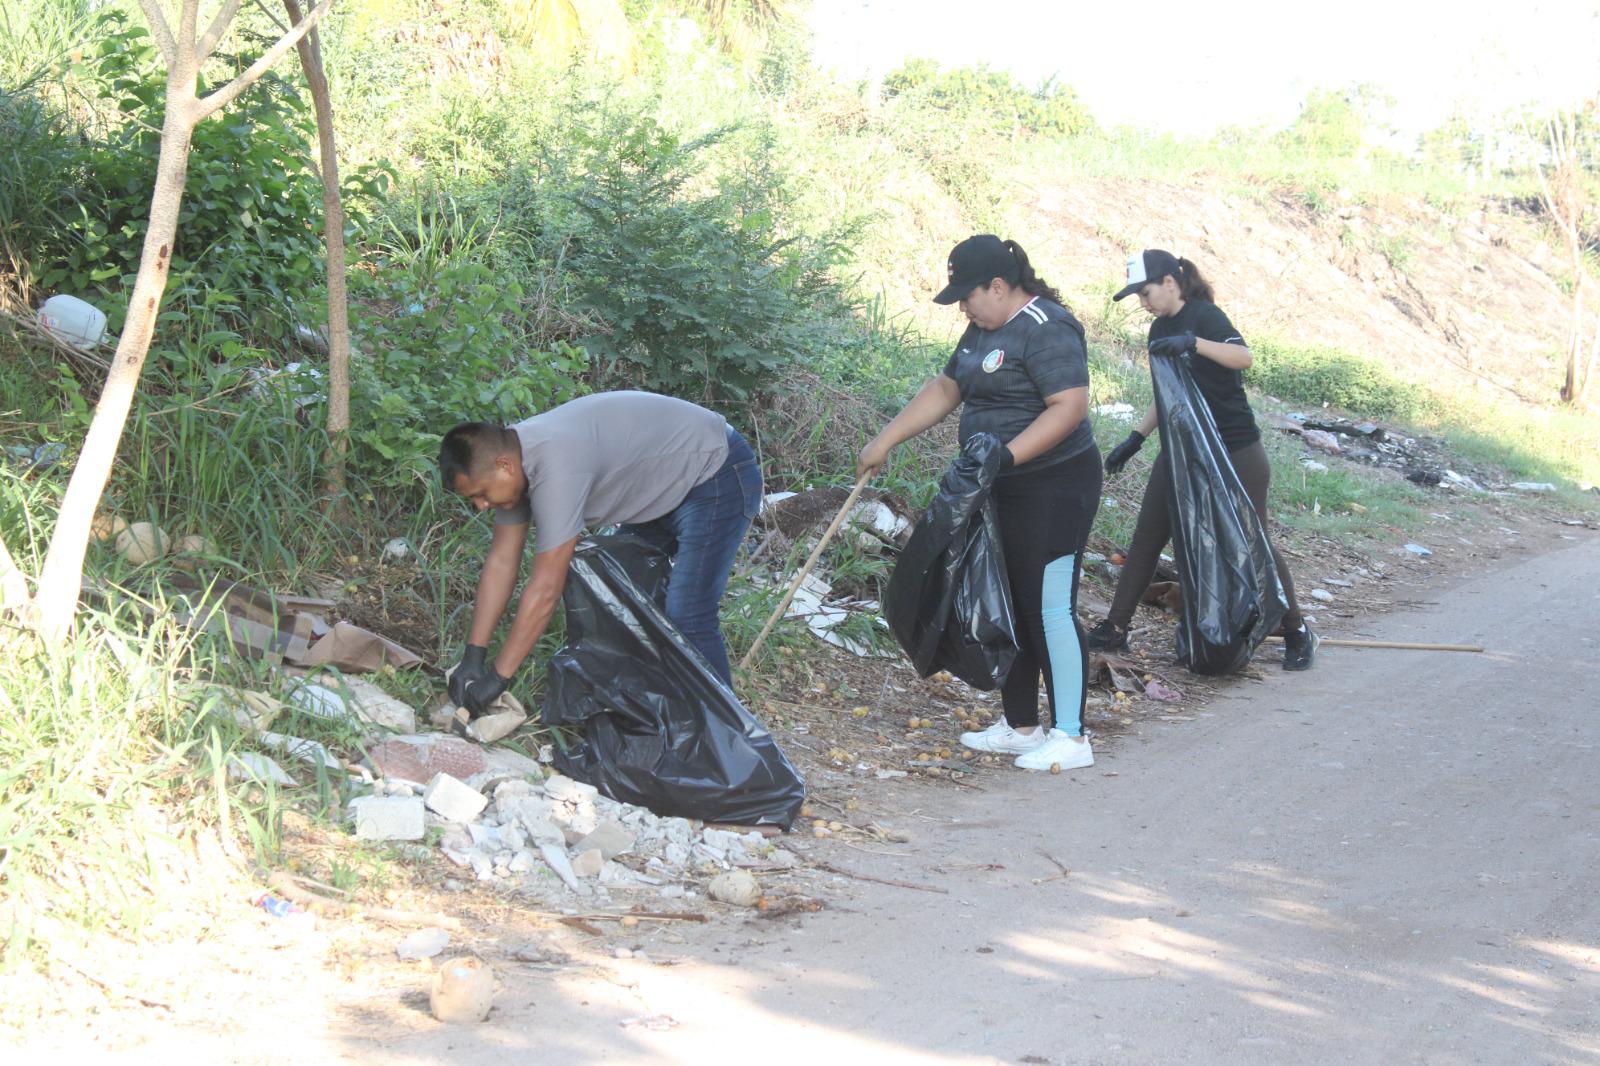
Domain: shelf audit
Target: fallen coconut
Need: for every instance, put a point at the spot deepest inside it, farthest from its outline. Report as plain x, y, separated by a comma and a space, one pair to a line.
737, 888
142, 542
463, 991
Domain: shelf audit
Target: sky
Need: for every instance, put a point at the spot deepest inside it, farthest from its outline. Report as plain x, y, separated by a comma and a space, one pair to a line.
1193, 66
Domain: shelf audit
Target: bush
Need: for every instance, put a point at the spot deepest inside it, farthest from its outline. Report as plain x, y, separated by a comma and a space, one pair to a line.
992, 97
698, 289
249, 230
442, 336
40, 170
1340, 379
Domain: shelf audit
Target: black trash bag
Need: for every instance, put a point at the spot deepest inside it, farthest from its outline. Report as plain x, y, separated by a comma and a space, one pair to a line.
1232, 598
660, 730
949, 600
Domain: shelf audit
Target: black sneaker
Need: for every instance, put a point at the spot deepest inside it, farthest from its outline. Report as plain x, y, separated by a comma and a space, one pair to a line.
1299, 648
1107, 637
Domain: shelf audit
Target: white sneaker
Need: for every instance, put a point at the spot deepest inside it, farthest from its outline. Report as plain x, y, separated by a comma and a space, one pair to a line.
1002, 738
1067, 752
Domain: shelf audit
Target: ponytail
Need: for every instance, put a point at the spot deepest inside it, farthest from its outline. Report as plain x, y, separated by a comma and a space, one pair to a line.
1028, 281
1191, 285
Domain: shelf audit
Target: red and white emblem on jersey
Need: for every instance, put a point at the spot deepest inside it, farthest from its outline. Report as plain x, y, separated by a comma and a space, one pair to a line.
993, 361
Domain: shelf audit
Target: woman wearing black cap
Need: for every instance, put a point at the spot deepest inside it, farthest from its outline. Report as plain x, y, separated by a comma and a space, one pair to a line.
1189, 325
1021, 372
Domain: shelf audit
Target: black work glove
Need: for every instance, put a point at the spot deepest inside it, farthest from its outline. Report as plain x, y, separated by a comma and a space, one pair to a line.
1175, 347
1118, 457
469, 669
483, 690
1007, 460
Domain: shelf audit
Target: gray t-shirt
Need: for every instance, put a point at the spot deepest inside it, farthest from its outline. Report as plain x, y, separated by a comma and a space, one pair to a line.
610, 458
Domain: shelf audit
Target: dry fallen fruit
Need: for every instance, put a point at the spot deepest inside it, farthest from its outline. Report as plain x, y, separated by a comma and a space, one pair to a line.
911, 723
630, 920
1118, 558
805, 811
851, 805
1055, 768
836, 826
861, 712
922, 756
820, 831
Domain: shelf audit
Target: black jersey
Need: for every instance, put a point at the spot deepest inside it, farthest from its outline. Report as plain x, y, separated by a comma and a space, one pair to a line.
1005, 374
1222, 388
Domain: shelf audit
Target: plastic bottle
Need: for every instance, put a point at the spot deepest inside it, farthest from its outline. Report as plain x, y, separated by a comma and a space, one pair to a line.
73, 321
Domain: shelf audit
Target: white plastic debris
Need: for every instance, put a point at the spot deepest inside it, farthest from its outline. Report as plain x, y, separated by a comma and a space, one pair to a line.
1533, 486
320, 701
1417, 549
254, 766
423, 944
1116, 410
310, 751
72, 321
396, 550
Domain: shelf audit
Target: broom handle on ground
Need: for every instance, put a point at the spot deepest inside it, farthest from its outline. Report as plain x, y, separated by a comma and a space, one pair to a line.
1337, 643
816, 553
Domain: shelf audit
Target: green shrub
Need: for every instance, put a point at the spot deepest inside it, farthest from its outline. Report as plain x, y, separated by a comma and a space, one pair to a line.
40, 171
1328, 376
249, 228
992, 96
443, 336
696, 287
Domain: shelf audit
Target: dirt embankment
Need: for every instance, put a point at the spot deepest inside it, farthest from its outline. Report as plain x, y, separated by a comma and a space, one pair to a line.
1467, 301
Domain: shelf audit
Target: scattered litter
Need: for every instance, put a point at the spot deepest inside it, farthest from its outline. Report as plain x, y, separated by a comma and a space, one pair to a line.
423, 944
885, 775
74, 322
1155, 690
1116, 410
1417, 549
1533, 486
396, 550
309, 751
656, 1023
253, 766
373, 704
319, 701
1322, 441
463, 991
1322, 594
1314, 466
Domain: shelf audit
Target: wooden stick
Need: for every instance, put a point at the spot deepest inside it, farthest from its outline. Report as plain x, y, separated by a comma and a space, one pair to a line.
794, 586
285, 884
878, 880
1336, 642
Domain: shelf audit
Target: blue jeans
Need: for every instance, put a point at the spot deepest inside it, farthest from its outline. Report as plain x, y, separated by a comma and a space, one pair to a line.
702, 536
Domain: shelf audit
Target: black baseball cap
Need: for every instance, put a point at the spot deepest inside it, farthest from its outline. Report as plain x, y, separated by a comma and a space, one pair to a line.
977, 261
1152, 264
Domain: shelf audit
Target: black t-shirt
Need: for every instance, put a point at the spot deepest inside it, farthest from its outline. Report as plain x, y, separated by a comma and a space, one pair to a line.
1005, 374
1222, 388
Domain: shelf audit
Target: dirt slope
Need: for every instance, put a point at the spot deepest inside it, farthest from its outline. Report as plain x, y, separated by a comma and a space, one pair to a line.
1463, 302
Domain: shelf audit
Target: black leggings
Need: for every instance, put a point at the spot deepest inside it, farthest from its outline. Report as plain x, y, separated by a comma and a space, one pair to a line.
1045, 515
1154, 528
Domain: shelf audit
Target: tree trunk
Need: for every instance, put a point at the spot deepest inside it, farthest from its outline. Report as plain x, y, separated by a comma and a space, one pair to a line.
1569, 387
56, 602
333, 232
13, 585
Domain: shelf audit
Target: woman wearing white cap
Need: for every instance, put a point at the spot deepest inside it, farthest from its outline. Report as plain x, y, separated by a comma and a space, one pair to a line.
1021, 372
1188, 325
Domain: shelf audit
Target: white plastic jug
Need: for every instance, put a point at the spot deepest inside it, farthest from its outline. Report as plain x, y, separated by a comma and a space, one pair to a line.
73, 321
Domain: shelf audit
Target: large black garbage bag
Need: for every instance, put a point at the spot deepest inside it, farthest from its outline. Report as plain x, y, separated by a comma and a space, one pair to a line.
1232, 598
660, 730
949, 601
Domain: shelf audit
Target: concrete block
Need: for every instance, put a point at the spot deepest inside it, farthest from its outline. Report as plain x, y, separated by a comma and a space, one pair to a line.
452, 799
588, 863
388, 817
609, 838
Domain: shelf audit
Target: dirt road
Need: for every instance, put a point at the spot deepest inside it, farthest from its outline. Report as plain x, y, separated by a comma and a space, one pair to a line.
1391, 859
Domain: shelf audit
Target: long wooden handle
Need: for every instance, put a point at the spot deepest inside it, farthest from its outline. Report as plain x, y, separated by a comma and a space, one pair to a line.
1338, 643
816, 553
